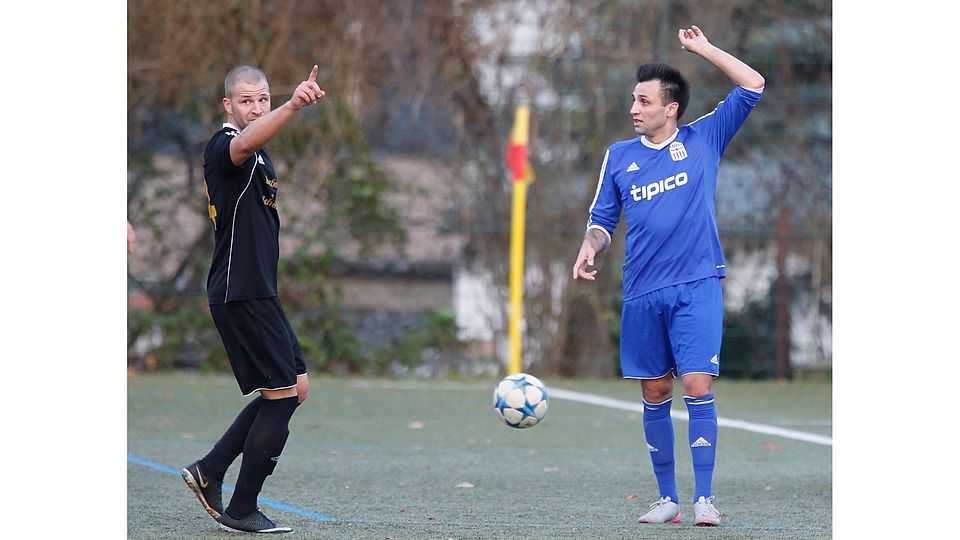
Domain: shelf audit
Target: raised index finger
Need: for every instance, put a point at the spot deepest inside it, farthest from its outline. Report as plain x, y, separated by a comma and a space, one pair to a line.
313, 74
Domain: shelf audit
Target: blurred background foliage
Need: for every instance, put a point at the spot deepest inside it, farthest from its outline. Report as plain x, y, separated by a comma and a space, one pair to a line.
435, 83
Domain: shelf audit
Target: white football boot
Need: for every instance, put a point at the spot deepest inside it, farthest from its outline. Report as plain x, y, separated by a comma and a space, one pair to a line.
662, 511
704, 513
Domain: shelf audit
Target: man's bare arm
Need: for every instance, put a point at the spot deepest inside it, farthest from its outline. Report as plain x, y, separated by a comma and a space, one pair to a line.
257, 134
693, 40
594, 242
598, 239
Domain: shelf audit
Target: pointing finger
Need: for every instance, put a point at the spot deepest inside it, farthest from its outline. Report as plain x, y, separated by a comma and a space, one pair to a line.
313, 74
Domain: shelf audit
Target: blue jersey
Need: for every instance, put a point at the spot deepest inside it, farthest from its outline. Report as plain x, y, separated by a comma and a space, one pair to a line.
667, 193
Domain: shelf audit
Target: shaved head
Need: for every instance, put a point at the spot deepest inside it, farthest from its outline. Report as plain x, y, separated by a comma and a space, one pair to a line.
242, 74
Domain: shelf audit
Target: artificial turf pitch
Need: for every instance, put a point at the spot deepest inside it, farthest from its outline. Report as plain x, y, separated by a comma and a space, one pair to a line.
411, 459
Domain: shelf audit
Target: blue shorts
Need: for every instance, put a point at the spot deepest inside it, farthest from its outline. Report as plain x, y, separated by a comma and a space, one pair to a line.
676, 328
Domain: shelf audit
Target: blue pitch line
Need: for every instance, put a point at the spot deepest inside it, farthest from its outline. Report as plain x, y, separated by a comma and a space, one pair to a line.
229, 489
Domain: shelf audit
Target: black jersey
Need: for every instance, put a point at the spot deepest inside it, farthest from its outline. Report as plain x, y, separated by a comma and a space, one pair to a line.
243, 209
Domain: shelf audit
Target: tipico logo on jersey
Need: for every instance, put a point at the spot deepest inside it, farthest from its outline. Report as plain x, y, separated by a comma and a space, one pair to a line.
651, 190
677, 151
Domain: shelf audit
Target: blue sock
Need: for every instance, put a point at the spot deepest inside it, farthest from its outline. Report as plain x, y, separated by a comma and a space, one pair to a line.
658, 428
703, 441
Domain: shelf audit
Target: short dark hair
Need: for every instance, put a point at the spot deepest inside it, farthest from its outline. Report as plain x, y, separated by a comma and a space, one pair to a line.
247, 74
673, 86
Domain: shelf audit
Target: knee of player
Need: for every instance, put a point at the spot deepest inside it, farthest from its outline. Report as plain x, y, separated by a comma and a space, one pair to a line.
657, 395
657, 390
698, 388
303, 388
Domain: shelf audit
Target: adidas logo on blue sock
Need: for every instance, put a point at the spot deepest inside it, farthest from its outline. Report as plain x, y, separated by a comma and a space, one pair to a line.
700, 442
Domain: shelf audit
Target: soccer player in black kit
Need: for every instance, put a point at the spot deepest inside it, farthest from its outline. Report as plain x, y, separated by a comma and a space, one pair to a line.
264, 352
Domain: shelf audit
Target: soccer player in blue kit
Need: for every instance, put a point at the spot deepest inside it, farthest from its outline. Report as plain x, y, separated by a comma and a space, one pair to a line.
665, 183
263, 349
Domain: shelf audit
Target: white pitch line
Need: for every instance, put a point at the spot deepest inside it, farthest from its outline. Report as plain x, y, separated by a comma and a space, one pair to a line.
724, 422
612, 403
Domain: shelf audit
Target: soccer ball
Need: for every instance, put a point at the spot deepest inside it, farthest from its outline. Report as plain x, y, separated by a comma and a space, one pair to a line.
520, 400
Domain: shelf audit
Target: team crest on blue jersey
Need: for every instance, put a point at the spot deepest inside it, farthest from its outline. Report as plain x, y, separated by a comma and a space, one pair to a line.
677, 151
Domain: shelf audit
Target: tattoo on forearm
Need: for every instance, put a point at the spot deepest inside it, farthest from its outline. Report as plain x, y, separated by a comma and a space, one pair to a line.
600, 240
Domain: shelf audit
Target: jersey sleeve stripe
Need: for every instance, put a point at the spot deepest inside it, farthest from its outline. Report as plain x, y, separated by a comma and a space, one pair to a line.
708, 114
603, 169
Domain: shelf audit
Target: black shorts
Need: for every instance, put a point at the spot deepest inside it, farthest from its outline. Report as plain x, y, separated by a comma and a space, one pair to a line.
264, 351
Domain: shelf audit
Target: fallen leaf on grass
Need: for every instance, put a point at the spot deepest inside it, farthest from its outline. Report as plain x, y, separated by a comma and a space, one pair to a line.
415, 425
464, 485
771, 447
551, 469
632, 496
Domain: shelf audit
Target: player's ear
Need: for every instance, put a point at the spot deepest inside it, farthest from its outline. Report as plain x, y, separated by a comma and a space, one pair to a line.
226, 105
672, 109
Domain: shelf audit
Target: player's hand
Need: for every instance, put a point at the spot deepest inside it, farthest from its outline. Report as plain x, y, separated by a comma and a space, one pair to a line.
308, 92
585, 259
692, 39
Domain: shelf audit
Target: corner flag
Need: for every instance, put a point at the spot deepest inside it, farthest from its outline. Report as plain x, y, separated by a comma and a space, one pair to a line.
522, 175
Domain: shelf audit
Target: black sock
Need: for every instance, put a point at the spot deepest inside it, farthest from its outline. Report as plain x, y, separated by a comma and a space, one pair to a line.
225, 451
261, 450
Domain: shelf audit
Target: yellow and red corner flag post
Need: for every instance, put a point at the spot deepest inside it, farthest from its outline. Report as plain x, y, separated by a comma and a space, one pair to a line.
522, 175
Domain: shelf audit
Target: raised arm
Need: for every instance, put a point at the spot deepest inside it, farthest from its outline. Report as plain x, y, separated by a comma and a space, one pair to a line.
693, 40
257, 134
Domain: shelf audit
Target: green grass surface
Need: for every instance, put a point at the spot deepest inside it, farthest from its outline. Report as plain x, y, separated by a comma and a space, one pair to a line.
385, 457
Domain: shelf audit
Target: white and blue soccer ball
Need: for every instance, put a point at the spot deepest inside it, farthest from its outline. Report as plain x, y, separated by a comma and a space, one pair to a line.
520, 400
